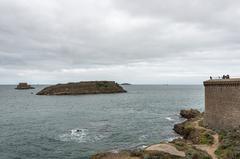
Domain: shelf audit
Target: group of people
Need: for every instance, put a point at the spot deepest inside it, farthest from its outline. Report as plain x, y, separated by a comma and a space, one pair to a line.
223, 77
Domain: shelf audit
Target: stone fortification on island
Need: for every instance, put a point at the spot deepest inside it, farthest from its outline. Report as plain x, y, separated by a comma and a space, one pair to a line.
24, 86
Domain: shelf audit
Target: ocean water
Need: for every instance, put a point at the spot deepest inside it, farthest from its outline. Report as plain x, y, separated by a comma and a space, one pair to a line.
75, 127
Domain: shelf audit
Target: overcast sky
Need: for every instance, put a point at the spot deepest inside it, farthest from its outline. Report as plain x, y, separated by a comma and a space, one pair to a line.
136, 41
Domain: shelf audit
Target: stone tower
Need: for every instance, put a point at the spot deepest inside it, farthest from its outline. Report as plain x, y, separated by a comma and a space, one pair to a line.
222, 103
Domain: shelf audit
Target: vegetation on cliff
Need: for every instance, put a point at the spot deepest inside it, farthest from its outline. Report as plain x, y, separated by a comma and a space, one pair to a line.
191, 131
87, 87
229, 145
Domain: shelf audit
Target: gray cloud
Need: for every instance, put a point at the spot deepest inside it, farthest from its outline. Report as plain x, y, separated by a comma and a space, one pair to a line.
138, 41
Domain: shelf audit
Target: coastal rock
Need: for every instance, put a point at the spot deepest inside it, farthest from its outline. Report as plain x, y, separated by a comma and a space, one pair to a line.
119, 155
24, 86
86, 87
177, 149
192, 131
188, 132
166, 148
135, 154
180, 129
189, 113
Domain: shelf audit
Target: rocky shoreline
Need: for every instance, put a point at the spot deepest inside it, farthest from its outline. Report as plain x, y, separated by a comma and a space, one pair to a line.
197, 142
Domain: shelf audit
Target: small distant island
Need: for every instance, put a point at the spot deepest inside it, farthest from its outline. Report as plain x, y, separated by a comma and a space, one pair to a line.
84, 87
126, 84
24, 86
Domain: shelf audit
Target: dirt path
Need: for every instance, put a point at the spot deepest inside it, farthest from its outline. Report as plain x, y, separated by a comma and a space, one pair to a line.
210, 149
167, 148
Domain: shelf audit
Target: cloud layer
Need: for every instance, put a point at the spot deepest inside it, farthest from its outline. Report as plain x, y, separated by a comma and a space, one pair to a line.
137, 41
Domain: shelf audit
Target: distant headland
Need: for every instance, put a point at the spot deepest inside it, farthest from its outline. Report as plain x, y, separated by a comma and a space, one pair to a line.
126, 84
84, 87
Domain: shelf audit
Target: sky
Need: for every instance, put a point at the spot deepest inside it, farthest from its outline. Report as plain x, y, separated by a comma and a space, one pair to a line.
135, 41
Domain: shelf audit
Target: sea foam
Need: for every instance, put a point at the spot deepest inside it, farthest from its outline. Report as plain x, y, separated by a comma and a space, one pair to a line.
169, 118
77, 135
81, 136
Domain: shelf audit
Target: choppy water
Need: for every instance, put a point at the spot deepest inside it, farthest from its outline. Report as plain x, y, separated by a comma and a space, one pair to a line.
74, 127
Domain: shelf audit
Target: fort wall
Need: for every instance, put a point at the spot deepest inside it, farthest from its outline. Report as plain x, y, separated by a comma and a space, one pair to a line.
222, 103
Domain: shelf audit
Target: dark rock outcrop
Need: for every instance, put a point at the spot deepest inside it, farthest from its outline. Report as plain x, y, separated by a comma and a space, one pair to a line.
135, 154
24, 86
86, 87
189, 113
191, 130
191, 153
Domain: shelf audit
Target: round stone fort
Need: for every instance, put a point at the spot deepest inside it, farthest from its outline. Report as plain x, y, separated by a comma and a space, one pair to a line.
222, 103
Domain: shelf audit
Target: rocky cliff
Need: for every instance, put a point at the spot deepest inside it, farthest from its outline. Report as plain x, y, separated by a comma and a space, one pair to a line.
86, 87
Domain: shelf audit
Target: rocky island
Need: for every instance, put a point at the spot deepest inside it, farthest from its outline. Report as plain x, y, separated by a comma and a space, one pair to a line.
84, 87
24, 86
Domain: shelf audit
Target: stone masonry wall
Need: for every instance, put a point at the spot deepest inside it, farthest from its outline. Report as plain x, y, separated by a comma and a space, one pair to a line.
222, 104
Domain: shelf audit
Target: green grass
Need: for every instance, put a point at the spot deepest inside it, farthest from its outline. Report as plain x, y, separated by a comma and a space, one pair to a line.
206, 138
230, 145
103, 85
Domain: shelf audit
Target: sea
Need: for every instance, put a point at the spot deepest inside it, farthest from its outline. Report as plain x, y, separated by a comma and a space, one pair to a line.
76, 127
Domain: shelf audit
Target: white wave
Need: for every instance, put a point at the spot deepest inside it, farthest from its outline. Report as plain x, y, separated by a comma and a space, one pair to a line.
97, 138
172, 138
77, 135
81, 136
143, 147
143, 137
114, 151
169, 118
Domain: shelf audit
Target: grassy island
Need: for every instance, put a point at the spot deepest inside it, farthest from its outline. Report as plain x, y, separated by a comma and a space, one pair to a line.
85, 87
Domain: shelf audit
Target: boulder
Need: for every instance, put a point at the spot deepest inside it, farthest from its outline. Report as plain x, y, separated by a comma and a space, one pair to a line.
190, 113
